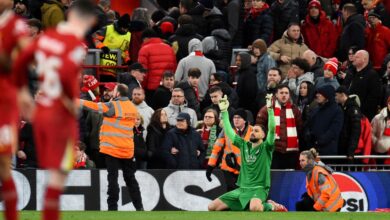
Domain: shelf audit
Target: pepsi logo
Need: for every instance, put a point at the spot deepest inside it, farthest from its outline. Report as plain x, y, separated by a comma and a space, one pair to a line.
352, 192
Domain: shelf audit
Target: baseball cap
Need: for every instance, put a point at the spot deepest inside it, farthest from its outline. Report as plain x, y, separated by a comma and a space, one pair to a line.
90, 82
183, 116
110, 85
137, 66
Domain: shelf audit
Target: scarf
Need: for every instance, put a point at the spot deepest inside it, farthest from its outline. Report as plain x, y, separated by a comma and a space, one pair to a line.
254, 12
292, 139
209, 137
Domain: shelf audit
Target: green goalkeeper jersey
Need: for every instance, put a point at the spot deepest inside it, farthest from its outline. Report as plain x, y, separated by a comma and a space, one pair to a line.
256, 161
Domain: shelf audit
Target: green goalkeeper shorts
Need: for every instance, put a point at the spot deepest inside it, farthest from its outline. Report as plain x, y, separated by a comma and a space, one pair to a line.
238, 199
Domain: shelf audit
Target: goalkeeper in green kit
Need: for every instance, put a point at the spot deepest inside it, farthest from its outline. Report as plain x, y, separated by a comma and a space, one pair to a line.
254, 180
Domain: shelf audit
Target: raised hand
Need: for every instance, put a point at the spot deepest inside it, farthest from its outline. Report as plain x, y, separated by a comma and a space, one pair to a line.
223, 104
268, 98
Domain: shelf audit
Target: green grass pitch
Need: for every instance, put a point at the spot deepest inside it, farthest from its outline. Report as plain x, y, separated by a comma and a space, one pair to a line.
183, 215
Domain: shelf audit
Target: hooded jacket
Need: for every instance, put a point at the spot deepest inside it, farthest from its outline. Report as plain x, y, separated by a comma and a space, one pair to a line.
247, 84
173, 110
52, 13
324, 124
321, 37
283, 14
257, 27
198, 60
285, 46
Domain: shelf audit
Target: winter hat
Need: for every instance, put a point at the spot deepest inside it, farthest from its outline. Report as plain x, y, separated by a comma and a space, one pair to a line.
327, 91
167, 27
90, 82
372, 13
184, 116
242, 113
332, 64
207, 4
336, 1
24, 2
124, 21
314, 3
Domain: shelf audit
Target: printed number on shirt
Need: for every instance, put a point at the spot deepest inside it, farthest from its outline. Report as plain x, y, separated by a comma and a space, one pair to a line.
47, 69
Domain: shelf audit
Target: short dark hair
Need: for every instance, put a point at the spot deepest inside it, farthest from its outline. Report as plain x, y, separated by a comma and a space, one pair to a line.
122, 89
168, 74
282, 86
264, 128
194, 72
293, 24
84, 7
217, 77
215, 89
185, 19
148, 33
33, 22
301, 63
350, 8
81, 145
187, 4
275, 69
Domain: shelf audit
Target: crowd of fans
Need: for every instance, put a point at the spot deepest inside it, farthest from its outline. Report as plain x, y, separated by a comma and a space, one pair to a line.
326, 62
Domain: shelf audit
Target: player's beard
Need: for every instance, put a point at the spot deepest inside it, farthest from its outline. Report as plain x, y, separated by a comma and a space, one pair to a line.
254, 140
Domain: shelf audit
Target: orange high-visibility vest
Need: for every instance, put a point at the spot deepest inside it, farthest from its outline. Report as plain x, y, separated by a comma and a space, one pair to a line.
327, 196
225, 144
116, 132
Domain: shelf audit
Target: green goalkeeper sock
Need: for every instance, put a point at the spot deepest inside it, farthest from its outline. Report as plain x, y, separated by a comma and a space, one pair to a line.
267, 207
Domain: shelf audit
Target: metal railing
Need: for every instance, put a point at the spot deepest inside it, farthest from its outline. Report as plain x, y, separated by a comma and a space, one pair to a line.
358, 165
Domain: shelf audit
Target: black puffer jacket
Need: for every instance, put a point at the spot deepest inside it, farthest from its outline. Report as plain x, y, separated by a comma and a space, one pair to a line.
350, 133
352, 35
257, 27
154, 139
283, 14
224, 43
180, 39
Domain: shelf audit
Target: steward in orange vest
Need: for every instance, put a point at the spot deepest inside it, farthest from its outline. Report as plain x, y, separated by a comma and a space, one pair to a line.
323, 192
117, 143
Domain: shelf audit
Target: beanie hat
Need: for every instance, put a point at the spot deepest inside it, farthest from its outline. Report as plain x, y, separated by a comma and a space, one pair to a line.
167, 27
314, 3
90, 82
124, 21
242, 113
327, 91
24, 2
372, 13
207, 4
332, 64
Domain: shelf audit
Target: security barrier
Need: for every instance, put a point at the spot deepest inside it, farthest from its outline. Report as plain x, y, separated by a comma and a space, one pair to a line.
190, 190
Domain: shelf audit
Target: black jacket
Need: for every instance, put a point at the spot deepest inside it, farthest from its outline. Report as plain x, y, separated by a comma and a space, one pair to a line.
318, 68
224, 43
350, 133
366, 84
188, 143
283, 14
247, 85
154, 140
161, 98
352, 35
257, 27
182, 36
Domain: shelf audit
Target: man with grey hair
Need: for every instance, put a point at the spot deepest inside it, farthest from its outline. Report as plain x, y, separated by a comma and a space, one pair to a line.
366, 84
177, 105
